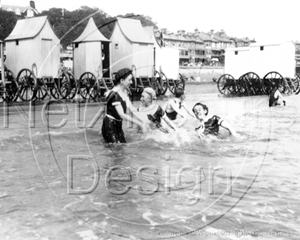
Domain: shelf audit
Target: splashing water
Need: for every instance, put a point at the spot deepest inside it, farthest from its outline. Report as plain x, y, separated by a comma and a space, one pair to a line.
172, 183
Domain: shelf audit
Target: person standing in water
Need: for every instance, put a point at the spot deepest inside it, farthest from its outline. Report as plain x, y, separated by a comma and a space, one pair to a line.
209, 125
117, 102
276, 97
154, 113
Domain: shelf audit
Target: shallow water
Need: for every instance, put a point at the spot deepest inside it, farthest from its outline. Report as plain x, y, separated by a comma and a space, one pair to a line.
62, 182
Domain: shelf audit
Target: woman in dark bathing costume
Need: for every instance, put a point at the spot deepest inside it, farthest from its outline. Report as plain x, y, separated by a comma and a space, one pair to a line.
117, 104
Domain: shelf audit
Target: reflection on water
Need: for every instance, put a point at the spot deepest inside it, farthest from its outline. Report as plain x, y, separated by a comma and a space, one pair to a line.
155, 186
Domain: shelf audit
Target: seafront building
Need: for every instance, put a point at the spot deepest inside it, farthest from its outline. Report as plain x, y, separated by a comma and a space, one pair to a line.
199, 48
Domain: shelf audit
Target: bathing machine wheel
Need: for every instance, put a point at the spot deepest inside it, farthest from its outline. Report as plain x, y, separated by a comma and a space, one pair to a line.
40, 90
173, 84
63, 85
226, 84
270, 81
72, 86
292, 84
27, 83
252, 82
11, 87
159, 83
297, 78
87, 85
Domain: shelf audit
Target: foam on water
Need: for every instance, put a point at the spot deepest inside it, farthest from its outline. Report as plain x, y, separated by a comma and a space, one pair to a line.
181, 137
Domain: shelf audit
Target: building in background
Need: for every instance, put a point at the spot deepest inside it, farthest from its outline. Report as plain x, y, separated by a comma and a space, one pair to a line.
242, 42
297, 56
191, 47
199, 48
26, 11
211, 52
222, 41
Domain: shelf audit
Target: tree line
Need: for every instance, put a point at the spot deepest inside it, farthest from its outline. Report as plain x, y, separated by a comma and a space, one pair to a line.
68, 25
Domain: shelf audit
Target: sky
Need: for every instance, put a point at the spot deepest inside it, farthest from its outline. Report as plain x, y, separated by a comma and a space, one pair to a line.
266, 21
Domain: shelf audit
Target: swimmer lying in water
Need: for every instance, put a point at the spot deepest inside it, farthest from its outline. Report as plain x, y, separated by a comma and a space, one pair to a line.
153, 112
209, 125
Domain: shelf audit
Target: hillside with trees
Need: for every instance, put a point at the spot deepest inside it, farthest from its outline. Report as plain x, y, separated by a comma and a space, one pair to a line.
8, 21
68, 25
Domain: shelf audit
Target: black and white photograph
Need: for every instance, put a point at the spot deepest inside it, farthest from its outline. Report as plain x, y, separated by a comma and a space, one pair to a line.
145, 120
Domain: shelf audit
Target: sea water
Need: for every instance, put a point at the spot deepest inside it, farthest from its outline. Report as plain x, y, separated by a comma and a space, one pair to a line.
60, 180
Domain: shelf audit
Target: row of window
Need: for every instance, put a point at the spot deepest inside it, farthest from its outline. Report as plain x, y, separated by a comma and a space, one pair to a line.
179, 44
198, 52
173, 43
193, 52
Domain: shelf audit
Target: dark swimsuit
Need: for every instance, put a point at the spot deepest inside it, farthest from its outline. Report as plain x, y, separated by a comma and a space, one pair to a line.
112, 128
211, 126
156, 118
272, 100
173, 115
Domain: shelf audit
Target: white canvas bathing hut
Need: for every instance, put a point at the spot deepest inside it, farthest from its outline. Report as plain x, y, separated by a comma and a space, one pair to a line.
237, 61
91, 51
130, 45
166, 59
279, 57
261, 59
33, 41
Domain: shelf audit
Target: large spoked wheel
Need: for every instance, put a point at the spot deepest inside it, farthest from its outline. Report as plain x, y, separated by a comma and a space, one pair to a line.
63, 85
270, 81
73, 86
226, 84
159, 83
242, 86
95, 91
86, 83
27, 83
254, 83
55, 92
173, 84
11, 88
297, 83
163, 82
292, 84
40, 91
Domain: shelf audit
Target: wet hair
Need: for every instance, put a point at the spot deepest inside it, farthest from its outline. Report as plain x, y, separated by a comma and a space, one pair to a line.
201, 104
178, 92
122, 74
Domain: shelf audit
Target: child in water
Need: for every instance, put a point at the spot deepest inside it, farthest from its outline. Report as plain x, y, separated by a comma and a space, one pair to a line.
276, 98
209, 125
